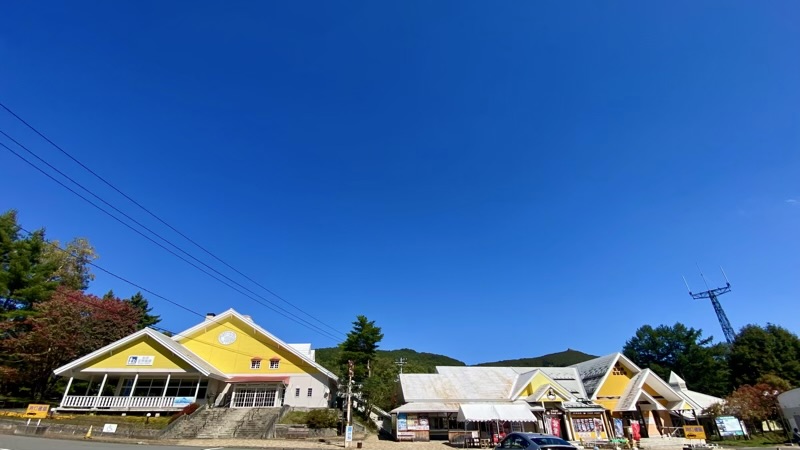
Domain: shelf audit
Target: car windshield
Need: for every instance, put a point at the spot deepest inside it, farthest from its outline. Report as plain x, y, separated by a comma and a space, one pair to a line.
549, 441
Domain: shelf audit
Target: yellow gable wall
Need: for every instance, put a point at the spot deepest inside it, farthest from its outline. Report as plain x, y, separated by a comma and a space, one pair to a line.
536, 382
613, 386
654, 394
144, 346
235, 358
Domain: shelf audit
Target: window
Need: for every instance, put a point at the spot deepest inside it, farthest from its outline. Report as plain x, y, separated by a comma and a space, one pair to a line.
186, 388
144, 387
550, 441
309, 392
297, 392
514, 442
255, 363
274, 363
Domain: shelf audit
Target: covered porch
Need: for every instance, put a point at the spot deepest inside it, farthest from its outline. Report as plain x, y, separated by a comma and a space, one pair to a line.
144, 372
117, 392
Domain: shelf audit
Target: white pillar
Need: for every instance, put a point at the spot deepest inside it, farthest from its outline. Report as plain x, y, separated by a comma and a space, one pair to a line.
100, 392
66, 392
89, 386
133, 388
166, 385
197, 389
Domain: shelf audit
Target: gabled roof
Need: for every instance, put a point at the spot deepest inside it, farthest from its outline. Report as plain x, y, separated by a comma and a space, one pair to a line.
595, 371
541, 391
524, 379
697, 400
521, 382
568, 377
177, 349
459, 383
635, 390
233, 313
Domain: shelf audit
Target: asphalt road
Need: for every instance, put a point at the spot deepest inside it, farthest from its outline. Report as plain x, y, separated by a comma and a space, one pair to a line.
10, 442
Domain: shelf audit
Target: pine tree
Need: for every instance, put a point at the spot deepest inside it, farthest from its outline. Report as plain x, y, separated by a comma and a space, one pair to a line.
140, 303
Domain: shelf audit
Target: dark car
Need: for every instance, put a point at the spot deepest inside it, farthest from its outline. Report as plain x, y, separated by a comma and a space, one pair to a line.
535, 441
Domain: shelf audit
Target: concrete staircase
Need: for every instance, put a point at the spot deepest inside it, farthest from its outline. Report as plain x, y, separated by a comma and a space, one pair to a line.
259, 423
666, 443
223, 423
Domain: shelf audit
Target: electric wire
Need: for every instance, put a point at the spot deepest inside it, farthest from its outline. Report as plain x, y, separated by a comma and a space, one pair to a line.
109, 184
154, 233
279, 311
156, 295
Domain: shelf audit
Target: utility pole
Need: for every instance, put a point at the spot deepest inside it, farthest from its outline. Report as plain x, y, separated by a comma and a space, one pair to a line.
349, 429
401, 362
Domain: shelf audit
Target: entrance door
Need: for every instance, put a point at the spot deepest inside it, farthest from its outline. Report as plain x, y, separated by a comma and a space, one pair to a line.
254, 396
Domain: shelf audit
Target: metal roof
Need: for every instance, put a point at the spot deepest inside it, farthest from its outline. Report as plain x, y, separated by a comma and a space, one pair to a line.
593, 371
458, 383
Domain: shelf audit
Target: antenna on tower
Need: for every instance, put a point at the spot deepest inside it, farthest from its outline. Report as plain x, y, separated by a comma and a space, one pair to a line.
712, 295
687, 285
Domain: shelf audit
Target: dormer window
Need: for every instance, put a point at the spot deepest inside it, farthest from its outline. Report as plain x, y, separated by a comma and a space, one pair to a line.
274, 363
255, 363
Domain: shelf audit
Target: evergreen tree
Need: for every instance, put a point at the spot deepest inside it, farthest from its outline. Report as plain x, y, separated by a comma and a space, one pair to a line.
360, 347
684, 351
25, 274
140, 303
770, 350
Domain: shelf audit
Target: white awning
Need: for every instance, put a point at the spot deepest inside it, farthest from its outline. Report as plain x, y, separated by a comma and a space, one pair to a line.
489, 412
426, 407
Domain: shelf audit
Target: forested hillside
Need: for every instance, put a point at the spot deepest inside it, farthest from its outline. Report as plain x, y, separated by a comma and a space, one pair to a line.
414, 362
560, 359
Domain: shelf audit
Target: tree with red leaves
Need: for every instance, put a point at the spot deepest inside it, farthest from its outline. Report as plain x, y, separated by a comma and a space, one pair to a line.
67, 326
754, 403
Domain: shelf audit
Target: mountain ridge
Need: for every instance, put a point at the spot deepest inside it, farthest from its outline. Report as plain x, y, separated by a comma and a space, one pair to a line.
425, 362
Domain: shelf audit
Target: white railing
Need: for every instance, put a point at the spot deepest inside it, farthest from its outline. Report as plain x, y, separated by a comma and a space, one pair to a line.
109, 401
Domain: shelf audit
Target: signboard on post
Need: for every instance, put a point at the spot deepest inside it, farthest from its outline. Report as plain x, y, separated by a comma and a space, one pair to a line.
37, 411
729, 426
694, 432
348, 434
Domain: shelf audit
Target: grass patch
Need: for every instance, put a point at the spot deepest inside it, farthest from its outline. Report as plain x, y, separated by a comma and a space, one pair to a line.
154, 423
768, 439
294, 417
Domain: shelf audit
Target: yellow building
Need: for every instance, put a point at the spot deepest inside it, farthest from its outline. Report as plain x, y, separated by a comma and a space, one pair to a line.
596, 400
638, 398
226, 360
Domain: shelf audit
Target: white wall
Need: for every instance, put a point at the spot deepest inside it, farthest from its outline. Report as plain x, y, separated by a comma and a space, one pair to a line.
320, 392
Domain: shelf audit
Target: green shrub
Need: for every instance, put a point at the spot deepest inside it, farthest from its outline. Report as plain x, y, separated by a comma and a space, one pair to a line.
322, 418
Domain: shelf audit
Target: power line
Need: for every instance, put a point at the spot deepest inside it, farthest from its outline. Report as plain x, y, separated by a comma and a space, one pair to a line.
157, 235
40, 134
142, 288
280, 311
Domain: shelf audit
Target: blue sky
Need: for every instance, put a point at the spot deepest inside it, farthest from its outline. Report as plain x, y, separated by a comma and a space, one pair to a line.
485, 180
